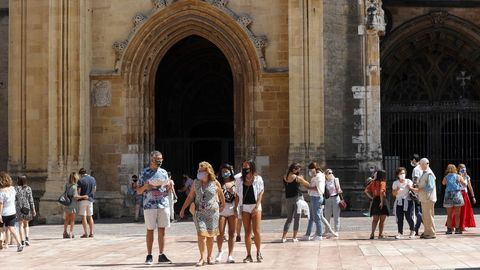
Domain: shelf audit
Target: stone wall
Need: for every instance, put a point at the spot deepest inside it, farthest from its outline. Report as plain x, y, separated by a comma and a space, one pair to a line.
272, 133
3, 85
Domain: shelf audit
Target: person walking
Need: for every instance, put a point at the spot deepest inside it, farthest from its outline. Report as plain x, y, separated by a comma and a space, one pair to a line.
453, 199
467, 219
292, 181
403, 205
172, 197
25, 208
8, 215
138, 197
427, 195
71, 210
417, 207
316, 192
87, 185
154, 184
333, 193
376, 191
205, 194
250, 189
229, 213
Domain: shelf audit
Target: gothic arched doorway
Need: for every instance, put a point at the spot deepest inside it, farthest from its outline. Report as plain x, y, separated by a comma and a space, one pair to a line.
194, 106
431, 93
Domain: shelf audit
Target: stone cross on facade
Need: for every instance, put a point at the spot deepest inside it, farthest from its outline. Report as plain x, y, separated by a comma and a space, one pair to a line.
462, 78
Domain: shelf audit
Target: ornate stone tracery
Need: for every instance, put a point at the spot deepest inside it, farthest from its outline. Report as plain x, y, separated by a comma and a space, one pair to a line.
244, 21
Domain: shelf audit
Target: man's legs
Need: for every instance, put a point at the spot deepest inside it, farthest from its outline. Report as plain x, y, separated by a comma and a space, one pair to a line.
428, 218
161, 240
149, 241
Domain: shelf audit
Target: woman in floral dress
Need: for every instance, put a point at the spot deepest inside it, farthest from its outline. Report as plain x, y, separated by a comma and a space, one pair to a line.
206, 195
25, 208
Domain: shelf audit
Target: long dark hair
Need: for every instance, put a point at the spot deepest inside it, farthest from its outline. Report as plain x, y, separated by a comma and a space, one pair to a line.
22, 180
381, 176
220, 174
293, 166
314, 165
253, 167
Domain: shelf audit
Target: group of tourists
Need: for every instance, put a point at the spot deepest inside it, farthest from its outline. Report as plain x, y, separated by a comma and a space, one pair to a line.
17, 208
326, 197
80, 188
416, 197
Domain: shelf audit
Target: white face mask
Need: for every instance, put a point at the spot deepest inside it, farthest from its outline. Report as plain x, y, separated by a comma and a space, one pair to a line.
330, 176
401, 176
413, 164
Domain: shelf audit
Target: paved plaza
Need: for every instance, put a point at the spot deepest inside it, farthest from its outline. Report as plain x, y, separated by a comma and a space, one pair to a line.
122, 246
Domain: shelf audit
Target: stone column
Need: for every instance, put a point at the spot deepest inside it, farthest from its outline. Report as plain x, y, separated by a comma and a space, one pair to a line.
306, 87
368, 121
68, 99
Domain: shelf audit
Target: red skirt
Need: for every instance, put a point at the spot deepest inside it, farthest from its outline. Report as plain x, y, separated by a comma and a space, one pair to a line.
467, 220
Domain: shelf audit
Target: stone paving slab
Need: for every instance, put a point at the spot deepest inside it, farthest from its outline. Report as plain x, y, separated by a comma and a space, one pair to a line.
122, 246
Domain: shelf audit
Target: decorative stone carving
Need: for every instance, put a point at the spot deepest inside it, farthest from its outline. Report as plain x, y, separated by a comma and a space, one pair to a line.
119, 47
438, 17
260, 42
245, 20
101, 93
162, 3
375, 16
138, 19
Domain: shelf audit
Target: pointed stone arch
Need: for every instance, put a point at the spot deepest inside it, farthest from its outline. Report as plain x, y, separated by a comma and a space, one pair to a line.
153, 38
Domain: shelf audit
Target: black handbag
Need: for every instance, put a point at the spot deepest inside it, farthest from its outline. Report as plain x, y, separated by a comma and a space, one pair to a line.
25, 210
64, 199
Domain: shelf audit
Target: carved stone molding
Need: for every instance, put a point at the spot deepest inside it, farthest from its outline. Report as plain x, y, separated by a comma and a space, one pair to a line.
438, 17
244, 21
101, 93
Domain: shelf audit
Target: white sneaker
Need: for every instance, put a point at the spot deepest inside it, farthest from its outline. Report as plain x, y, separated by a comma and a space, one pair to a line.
317, 238
295, 240
284, 240
335, 234
412, 234
230, 259
399, 236
219, 257
307, 238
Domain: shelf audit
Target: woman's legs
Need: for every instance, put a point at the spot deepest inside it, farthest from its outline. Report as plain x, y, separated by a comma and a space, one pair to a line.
26, 227
246, 218
317, 215
137, 211
72, 223
375, 220
328, 210
449, 217
221, 228
232, 224
399, 214
66, 222
209, 248
457, 216
312, 217
336, 214
14, 234
21, 230
290, 209
239, 227
381, 225
409, 216
201, 247
256, 224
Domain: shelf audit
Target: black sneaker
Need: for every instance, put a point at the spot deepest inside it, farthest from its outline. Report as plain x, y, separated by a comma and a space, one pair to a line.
19, 248
27, 241
259, 257
149, 260
449, 231
458, 231
163, 259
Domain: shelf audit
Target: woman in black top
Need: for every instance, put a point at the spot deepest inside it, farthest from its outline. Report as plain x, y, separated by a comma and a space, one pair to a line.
292, 182
229, 213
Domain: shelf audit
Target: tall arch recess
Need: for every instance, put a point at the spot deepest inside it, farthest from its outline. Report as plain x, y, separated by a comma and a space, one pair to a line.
152, 40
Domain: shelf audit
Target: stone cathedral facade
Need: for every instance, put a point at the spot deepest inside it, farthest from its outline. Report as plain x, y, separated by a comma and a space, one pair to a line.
100, 83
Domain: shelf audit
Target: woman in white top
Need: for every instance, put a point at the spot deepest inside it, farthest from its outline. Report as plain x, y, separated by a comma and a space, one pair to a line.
250, 193
316, 191
332, 196
403, 203
8, 212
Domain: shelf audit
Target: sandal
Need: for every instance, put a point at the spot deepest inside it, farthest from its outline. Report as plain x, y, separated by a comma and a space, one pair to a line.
90, 236
84, 236
200, 263
372, 237
65, 235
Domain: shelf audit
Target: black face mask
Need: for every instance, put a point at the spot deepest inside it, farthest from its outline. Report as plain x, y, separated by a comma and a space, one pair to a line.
135, 180
245, 171
297, 173
159, 163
